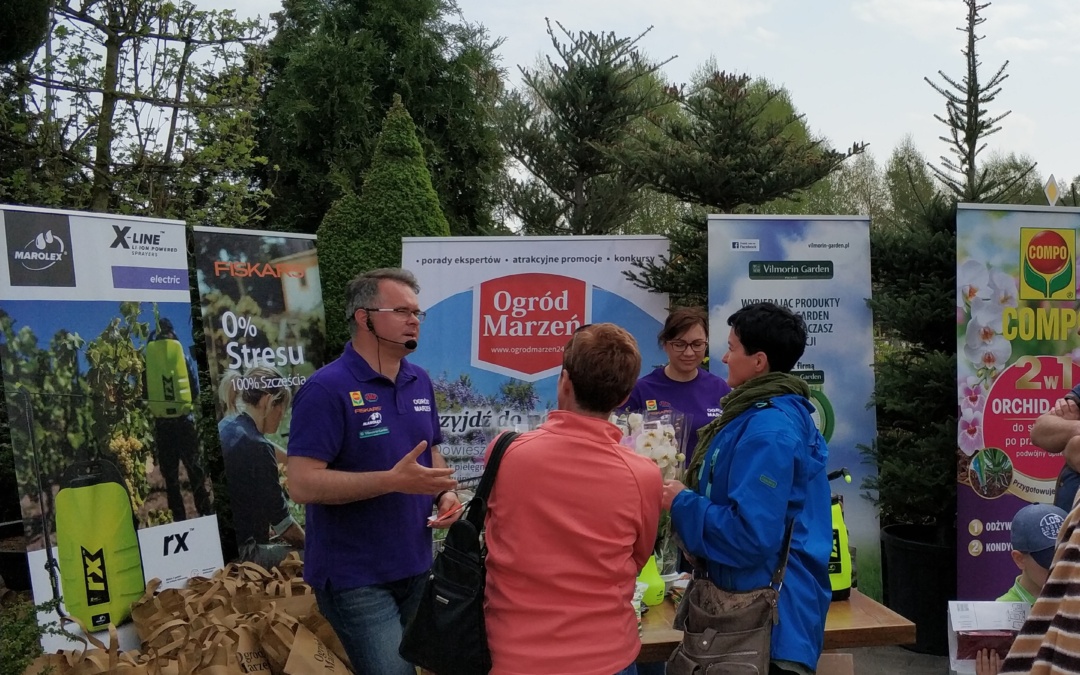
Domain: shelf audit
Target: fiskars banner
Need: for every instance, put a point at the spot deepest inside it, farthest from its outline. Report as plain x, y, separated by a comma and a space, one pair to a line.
264, 327
1017, 349
499, 312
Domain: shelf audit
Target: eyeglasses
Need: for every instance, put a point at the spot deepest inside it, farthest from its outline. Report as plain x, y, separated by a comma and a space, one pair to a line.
681, 345
400, 311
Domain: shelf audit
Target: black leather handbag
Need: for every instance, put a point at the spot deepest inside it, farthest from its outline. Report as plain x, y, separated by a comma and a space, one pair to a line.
447, 635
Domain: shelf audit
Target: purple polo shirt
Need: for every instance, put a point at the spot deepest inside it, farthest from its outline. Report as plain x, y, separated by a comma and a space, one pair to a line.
698, 399
355, 419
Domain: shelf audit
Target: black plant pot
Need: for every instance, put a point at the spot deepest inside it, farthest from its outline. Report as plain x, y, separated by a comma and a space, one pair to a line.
14, 567
919, 575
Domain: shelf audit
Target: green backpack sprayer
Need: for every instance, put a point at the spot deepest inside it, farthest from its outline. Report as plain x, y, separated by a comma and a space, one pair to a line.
840, 558
98, 560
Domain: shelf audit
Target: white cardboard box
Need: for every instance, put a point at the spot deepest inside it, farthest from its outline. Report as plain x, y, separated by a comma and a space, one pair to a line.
967, 615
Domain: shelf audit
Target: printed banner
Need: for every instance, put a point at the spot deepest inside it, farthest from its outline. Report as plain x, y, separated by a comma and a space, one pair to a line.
818, 267
1017, 347
263, 321
95, 339
499, 312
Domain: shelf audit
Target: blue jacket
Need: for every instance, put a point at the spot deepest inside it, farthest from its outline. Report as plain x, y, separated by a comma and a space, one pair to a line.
767, 466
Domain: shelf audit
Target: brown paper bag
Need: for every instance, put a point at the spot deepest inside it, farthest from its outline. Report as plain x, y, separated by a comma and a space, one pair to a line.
277, 640
53, 664
317, 624
309, 655
292, 567
249, 652
155, 608
219, 652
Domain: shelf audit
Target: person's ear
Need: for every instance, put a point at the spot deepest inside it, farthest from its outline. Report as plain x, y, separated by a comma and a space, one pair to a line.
1018, 559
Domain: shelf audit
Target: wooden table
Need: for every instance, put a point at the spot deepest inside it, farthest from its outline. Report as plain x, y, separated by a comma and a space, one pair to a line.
855, 622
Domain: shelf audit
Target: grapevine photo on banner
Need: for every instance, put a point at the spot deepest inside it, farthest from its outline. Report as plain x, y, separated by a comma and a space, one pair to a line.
819, 267
499, 312
99, 383
264, 327
1017, 351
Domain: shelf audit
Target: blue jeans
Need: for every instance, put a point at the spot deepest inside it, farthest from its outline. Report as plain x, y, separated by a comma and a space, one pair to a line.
629, 670
370, 620
652, 668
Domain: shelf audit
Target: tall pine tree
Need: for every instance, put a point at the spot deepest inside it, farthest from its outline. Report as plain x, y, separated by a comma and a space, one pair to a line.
566, 127
738, 145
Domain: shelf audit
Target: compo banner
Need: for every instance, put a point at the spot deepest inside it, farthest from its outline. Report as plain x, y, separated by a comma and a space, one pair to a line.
95, 338
1017, 348
499, 312
264, 327
819, 267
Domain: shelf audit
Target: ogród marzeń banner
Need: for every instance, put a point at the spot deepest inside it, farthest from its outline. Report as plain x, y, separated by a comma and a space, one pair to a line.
499, 312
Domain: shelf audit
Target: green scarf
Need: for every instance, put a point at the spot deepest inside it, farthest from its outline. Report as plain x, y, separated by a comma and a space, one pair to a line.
739, 400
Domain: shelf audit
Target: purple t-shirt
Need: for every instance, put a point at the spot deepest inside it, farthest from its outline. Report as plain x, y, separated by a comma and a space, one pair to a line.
698, 399
355, 419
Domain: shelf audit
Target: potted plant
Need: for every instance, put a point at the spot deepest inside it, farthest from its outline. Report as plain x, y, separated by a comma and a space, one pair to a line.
914, 277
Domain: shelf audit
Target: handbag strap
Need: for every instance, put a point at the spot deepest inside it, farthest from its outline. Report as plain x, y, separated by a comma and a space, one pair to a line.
785, 551
477, 508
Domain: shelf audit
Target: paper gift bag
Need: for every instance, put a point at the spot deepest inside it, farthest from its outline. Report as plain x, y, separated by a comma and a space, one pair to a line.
155, 608
53, 664
317, 624
277, 639
310, 655
218, 650
249, 652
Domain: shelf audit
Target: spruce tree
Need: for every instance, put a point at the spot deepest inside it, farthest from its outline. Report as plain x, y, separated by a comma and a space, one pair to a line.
364, 233
738, 145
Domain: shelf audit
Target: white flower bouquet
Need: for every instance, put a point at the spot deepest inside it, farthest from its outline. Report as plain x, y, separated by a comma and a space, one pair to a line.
662, 437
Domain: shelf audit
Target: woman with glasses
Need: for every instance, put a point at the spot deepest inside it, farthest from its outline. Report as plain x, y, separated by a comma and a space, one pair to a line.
682, 384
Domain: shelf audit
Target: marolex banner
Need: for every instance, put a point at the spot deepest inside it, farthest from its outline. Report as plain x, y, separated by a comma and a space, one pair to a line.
1017, 351
264, 326
499, 312
100, 386
819, 267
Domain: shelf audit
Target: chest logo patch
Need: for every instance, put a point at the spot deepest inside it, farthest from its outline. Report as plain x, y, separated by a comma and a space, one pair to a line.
373, 421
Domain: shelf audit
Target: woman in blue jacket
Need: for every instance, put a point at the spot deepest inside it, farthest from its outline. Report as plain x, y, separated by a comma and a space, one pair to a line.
758, 467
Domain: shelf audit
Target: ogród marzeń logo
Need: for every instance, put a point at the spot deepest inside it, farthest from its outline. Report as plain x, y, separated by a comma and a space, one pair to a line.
1047, 264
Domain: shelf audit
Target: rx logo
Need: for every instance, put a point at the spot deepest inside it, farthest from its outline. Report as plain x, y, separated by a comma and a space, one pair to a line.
97, 584
179, 542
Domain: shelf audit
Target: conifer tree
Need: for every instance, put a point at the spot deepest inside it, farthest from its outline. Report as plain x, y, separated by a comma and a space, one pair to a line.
566, 127
738, 145
969, 124
364, 232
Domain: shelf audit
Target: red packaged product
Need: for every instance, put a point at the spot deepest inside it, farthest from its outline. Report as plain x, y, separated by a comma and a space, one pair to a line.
968, 643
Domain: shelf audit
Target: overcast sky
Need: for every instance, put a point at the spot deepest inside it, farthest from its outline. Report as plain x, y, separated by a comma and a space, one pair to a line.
855, 68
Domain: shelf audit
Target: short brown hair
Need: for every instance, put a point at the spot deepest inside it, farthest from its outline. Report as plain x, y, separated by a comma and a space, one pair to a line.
603, 363
680, 320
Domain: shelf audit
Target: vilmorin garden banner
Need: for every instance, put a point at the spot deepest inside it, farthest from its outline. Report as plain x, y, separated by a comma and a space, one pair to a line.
1017, 351
819, 267
264, 327
499, 312
95, 339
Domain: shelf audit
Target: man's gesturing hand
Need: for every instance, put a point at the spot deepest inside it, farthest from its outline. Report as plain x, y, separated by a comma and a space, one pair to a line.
411, 477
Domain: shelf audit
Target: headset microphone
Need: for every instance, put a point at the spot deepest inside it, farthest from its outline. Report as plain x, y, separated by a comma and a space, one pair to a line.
409, 344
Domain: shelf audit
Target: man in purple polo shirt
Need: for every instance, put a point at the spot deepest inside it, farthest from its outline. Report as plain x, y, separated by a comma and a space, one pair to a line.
363, 457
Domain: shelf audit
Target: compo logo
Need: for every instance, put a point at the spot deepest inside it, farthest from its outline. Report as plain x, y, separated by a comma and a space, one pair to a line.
1047, 264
